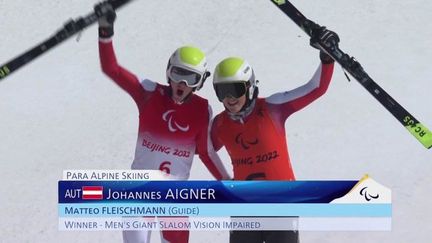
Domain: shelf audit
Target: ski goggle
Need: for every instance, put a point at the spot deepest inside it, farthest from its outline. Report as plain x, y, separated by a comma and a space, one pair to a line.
235, 90
190, 78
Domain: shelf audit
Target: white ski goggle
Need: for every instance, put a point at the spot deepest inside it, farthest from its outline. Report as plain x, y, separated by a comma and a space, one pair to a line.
190, 78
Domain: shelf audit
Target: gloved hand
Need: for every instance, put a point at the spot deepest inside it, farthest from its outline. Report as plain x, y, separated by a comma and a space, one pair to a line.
324, 37
321, 36
107, 16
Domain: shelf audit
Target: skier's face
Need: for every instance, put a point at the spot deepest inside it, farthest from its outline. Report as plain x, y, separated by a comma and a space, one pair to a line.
179, 91
234, 105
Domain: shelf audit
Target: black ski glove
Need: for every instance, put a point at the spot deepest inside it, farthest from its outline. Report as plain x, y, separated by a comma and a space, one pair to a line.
107, 16
321, 36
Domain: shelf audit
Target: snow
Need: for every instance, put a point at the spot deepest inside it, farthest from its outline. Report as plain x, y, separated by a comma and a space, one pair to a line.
60, 112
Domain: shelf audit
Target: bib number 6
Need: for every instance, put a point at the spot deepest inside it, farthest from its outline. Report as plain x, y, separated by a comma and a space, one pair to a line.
165, 167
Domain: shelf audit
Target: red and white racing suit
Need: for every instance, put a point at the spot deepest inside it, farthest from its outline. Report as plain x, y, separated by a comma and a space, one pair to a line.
257, 143
169, 134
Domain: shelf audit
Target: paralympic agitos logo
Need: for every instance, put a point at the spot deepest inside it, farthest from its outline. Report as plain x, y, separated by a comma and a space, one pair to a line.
173, 126
245, 143
367, 195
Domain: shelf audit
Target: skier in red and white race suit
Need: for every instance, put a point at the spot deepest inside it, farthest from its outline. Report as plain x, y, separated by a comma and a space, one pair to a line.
174, 123
252, 129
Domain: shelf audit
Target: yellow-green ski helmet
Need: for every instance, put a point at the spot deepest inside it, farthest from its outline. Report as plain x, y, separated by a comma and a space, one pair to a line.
234, 77
188, 64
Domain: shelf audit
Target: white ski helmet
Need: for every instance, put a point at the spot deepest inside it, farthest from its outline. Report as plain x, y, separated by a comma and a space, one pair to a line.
188, 64
234, 70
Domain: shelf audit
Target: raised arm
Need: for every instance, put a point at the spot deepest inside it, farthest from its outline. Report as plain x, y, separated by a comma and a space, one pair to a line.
284, 104
207, 153
122, 77
288, 102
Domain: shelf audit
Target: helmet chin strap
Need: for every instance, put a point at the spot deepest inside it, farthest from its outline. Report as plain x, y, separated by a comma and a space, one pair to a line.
249, 98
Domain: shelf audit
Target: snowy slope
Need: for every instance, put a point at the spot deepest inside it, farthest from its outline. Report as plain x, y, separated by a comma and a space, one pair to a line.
60, 112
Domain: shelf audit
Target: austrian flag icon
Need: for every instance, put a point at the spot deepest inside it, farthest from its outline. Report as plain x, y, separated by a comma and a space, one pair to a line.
92, 192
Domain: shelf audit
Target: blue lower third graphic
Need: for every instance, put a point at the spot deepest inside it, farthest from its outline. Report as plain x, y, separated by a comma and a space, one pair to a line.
304, 205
